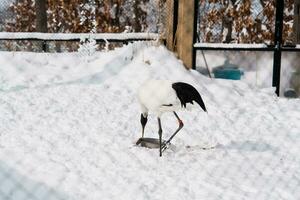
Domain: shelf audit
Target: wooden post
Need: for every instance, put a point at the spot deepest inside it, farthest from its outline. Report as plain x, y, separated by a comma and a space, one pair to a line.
171, 23
185, 32
41, 20
296, 25
295, 78
41, 16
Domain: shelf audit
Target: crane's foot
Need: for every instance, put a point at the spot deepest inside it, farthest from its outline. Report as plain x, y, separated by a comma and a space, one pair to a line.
139, 141
152, 143
165, 145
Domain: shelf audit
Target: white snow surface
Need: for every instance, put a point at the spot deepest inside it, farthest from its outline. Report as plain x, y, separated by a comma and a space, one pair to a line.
68, 127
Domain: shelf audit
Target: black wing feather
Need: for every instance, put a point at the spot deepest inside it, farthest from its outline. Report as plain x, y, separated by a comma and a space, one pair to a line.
187, 94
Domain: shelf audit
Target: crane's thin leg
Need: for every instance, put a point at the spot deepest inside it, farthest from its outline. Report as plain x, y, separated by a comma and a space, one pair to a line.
160, 136
143, 130
144, 119
178, 129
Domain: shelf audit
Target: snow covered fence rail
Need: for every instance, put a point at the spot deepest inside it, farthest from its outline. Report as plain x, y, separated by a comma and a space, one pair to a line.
243, 47
124, 38
101, 37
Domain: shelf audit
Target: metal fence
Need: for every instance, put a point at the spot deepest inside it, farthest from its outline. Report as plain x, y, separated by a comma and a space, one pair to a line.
274, 42
90, 17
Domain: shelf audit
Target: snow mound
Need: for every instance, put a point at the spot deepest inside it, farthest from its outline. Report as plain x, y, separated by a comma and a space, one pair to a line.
69, 125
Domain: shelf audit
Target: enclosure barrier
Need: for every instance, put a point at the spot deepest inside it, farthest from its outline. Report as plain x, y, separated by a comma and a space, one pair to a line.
183, 37
77, 37
277, 48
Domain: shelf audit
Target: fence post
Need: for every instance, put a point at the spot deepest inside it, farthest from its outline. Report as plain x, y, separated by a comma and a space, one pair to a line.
296, 25
44, 46
171, 25
278, 45
185, 32
41, 20
195, 36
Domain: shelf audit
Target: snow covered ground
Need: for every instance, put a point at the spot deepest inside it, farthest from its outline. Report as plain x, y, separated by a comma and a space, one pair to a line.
69, 123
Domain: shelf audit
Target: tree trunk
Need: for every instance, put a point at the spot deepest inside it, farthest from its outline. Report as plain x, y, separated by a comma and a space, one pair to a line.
228, 23
41, 16
136, 23
41, 20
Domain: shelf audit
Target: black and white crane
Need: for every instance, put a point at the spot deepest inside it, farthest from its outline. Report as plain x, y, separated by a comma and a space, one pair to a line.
160, 96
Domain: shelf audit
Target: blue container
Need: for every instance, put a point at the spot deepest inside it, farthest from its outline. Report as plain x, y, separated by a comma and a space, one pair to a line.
228, 71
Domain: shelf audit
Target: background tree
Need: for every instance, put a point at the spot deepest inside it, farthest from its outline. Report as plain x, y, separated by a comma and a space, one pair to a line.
24, 13
247, 21
80, 16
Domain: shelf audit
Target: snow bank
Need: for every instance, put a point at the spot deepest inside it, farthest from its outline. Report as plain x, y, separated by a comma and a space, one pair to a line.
70, 124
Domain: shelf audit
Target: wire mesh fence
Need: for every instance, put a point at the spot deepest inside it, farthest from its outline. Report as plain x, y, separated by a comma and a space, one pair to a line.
272, 23
244, 22
115, 16
17, 186
256, 67
69, 121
